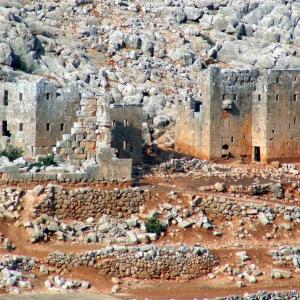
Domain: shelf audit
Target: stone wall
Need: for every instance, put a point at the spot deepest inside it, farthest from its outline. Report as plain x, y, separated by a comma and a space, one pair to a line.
244, 113
27, 105
222, 207
83, 203
127, 131
230, 100
280, 99
145, 262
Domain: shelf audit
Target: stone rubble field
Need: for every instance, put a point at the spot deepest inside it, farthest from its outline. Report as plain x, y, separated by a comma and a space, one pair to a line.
232, 226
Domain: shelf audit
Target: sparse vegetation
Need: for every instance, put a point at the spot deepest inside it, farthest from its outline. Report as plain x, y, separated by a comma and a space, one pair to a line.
153, 225
12, 152
22, 65
44, 161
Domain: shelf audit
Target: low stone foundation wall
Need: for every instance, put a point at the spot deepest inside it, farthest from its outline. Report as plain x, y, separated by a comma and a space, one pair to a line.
222, 207
146, 262
82, 203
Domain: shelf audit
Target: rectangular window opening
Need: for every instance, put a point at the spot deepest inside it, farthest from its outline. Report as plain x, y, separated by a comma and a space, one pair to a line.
295, 98
20, 96
48, 127
126, 123
5, 100
62, 127
5, 131
48, 96
277, 97
258, 97
232, 139
21, 127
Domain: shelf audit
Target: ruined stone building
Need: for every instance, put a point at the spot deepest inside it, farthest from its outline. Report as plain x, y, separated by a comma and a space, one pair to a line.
243, 114
105, 139
35, 112
39, 116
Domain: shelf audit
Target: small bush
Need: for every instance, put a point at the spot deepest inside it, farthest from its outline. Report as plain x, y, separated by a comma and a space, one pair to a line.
47, 160
154, 226
23, 66
12, 152
44, 161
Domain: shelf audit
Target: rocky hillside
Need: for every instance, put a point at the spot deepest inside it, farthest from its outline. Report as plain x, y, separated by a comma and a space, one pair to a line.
146, 51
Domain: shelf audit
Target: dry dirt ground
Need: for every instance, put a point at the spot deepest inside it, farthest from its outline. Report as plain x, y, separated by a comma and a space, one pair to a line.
225, 246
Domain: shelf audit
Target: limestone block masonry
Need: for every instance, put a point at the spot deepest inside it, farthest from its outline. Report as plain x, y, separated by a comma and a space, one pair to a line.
144, 262
83, 203
243, 113
35, 112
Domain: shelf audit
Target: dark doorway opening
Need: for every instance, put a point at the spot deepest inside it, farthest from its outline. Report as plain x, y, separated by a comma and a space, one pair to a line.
256, 153
197, 106
225, 151
5, 131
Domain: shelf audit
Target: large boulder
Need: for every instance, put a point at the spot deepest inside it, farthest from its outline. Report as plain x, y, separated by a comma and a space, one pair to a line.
5, 54
193, 13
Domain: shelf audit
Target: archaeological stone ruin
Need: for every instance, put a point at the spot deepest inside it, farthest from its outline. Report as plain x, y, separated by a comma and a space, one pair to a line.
85, 131
243, 113
150, 149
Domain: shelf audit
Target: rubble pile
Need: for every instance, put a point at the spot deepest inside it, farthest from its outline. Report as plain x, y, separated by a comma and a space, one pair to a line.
60, 282
106, 230
10, 203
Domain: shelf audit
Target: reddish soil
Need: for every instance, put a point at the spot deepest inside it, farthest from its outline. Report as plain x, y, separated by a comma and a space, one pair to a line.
225, 246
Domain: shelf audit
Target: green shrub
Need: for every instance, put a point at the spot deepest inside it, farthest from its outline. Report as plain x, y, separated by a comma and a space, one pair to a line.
47, 160
22, 65
154, 226
12, 152
44, 161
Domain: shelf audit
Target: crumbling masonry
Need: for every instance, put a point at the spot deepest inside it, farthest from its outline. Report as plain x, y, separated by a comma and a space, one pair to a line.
244, 114
85, 131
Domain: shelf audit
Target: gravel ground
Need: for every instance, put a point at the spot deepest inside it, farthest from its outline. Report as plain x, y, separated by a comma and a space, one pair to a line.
59, 297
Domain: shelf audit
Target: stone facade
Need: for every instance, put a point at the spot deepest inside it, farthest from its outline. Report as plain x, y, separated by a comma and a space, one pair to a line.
100, 139
35, 112
126, 137
83, 203
244, 114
